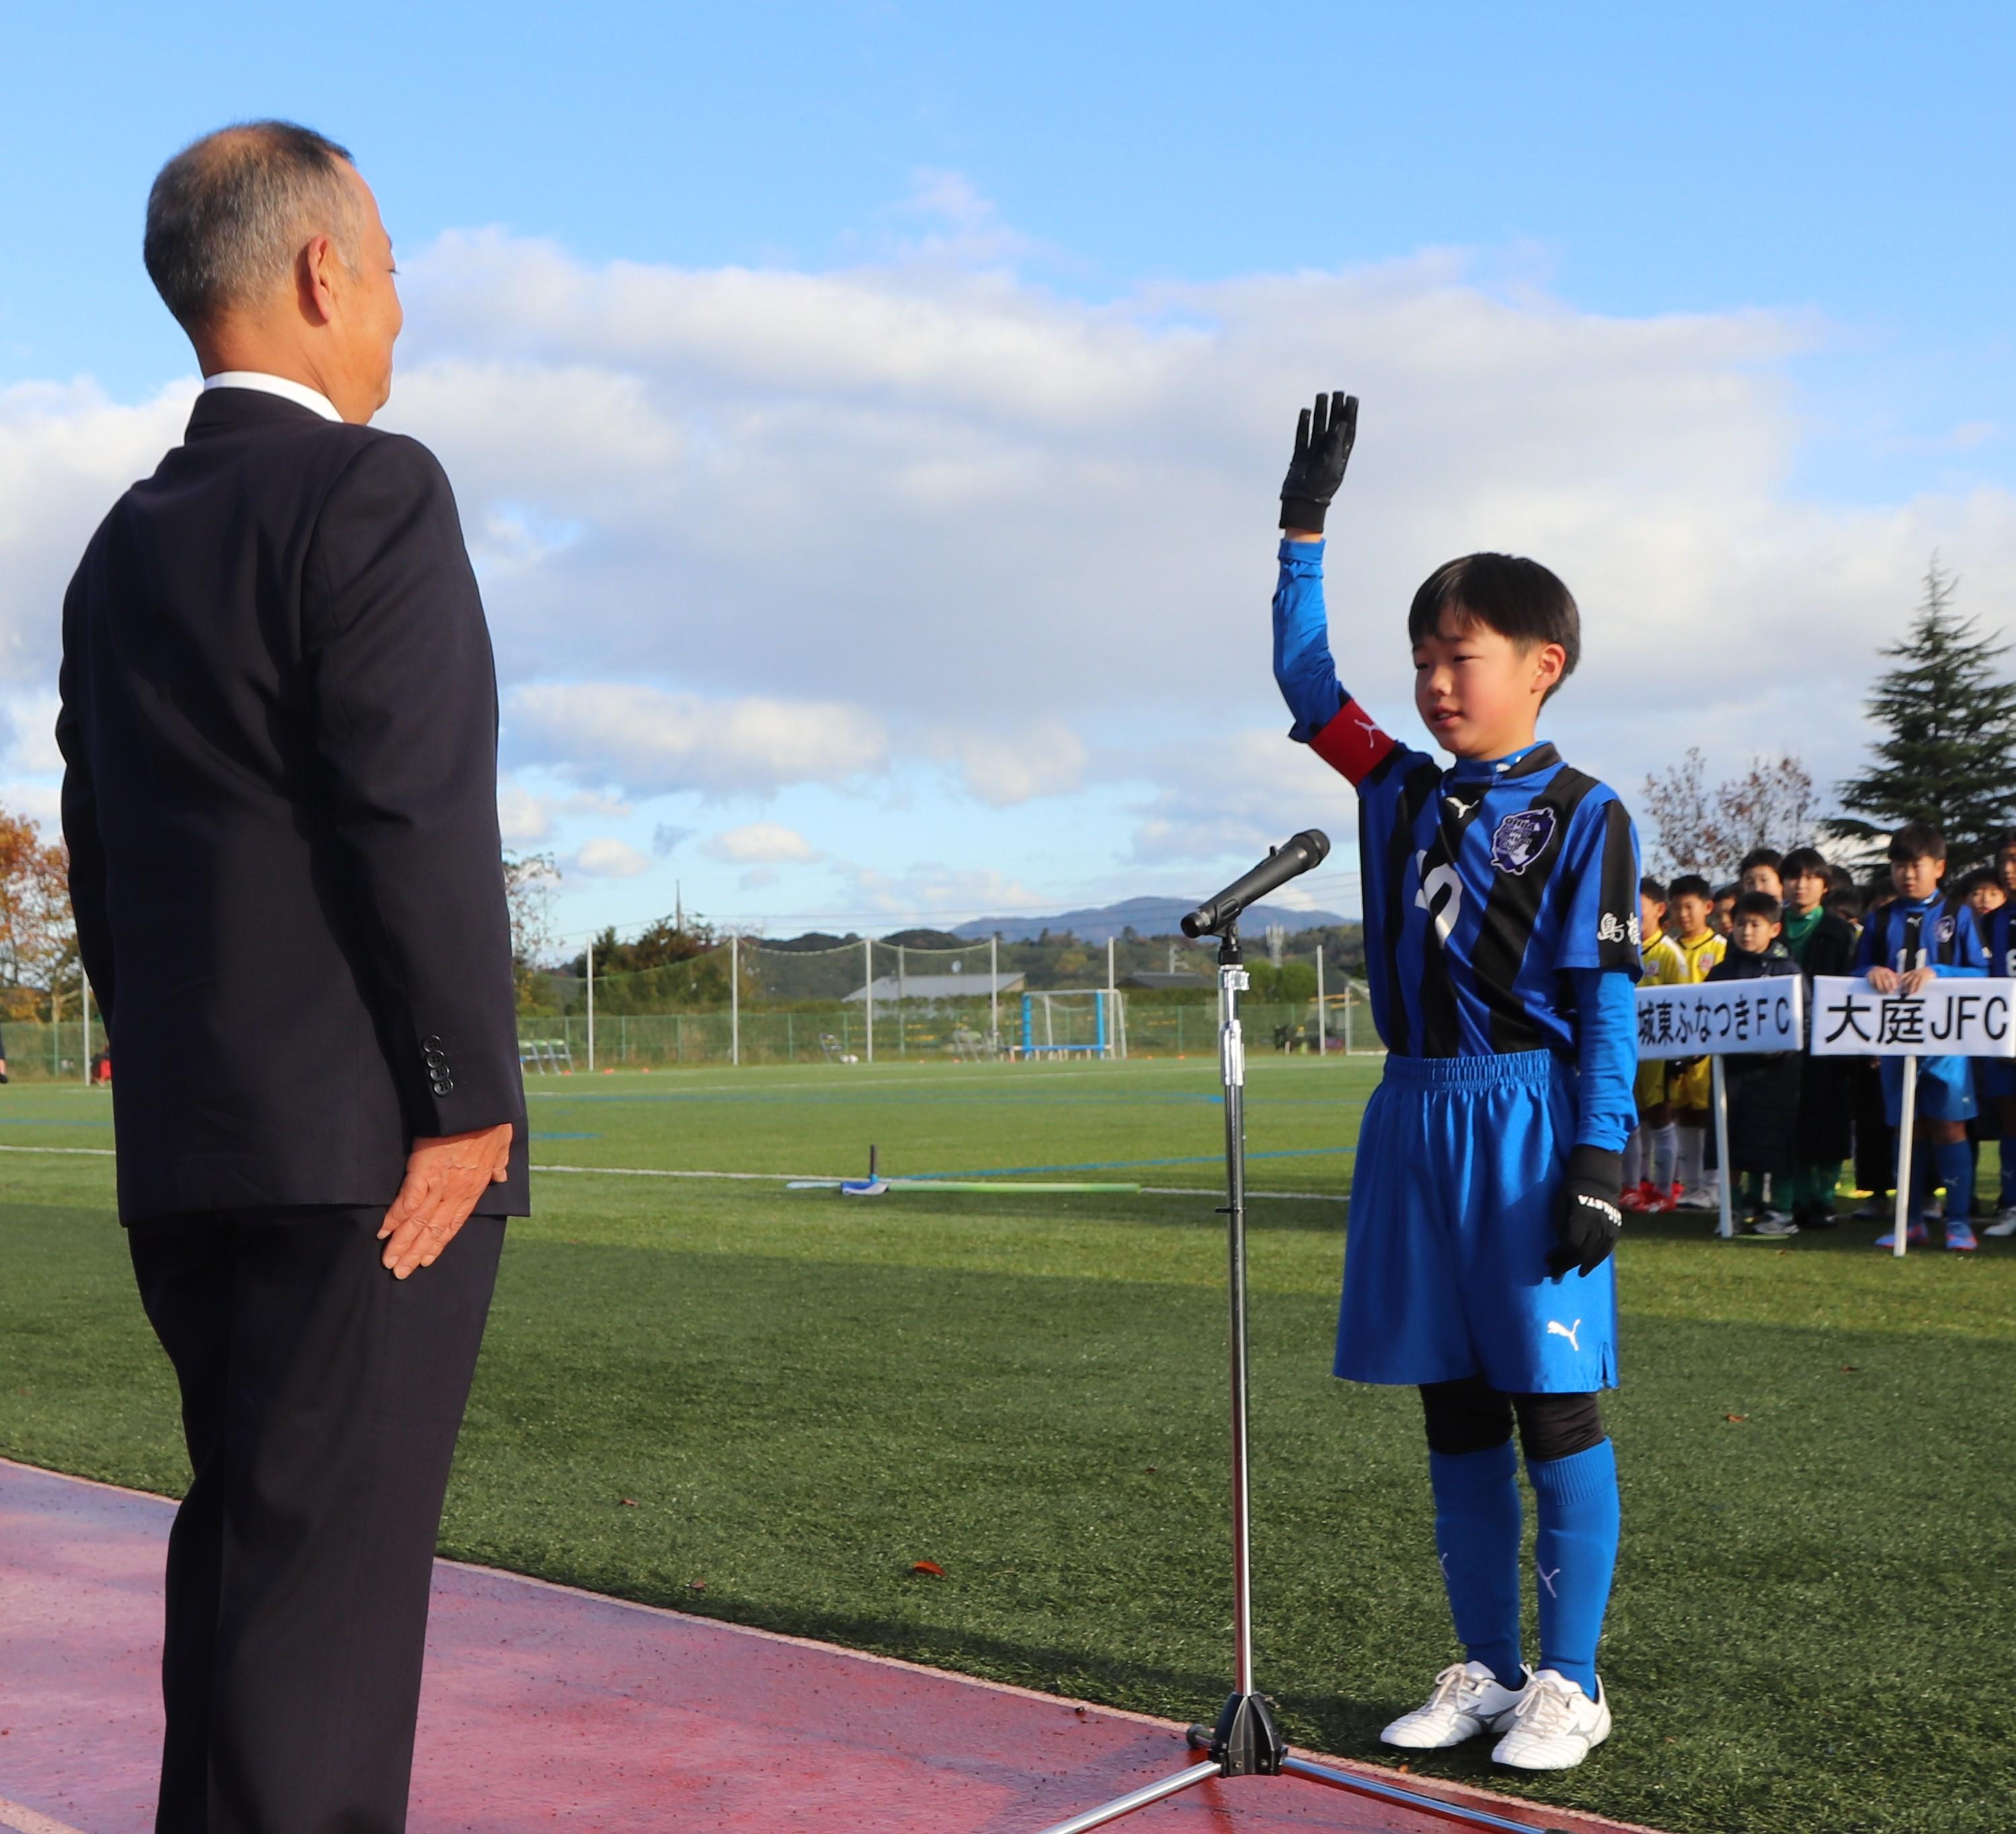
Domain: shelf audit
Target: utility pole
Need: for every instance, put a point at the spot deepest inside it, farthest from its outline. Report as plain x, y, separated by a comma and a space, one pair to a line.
1322, 1045
734, 998
591, 1006
994, 992
868, 991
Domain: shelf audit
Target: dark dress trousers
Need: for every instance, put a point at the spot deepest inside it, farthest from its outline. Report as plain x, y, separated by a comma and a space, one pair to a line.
279, 725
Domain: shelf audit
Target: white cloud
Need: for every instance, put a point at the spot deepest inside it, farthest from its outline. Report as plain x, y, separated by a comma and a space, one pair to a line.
934, 889
525, 816
522, 816
653, 742
66, 452
760, 843
605, 857
742, 530
1245, 792
1045, 758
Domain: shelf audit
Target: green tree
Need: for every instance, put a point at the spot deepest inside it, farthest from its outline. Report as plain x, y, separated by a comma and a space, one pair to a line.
1947, 755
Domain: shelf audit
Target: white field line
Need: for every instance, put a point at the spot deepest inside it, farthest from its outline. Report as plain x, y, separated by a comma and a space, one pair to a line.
25, 1821
1305, 1197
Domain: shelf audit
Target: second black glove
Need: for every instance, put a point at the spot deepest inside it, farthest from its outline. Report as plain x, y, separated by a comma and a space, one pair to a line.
1587, 1219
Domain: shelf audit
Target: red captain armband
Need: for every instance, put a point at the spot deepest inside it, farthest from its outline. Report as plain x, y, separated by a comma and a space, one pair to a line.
1351, 744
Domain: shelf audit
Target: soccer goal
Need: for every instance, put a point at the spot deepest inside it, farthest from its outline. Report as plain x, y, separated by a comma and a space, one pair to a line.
1074, 1022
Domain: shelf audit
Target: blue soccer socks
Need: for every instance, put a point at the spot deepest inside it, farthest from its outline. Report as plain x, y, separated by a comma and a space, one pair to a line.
1476, 1538
1956, 1169
1575, 1554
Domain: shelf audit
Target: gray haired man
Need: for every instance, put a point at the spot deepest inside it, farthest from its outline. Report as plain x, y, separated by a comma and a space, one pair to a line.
279, 729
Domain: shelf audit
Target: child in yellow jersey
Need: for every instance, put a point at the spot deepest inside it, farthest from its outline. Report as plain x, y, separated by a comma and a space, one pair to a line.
1688, 1084
1651, 1154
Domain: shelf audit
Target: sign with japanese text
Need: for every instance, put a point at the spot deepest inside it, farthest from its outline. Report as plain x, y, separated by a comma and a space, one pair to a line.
1713, 1018
1957, 1015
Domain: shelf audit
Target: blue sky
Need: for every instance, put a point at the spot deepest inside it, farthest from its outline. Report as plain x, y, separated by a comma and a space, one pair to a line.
1779, 230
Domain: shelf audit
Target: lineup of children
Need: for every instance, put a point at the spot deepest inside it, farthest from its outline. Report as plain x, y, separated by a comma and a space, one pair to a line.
1795, 1122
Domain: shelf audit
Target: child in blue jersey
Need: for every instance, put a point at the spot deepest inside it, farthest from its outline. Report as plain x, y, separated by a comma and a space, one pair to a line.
1918, 934
1994, 1079
1501, 942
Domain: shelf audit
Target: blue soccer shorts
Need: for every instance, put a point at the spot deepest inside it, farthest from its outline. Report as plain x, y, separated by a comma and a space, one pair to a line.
1945, 1089
1459, 1160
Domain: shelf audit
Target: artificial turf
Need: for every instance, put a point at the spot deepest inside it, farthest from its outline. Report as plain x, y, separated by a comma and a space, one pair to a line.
767, 1406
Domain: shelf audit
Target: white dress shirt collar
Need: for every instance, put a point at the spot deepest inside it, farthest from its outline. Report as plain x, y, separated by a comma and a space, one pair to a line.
297, 392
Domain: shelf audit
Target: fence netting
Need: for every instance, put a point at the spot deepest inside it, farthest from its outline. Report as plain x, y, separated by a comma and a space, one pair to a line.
752, 1001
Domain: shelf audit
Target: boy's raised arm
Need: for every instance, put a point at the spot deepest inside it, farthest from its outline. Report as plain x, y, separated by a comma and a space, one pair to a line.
1304, 669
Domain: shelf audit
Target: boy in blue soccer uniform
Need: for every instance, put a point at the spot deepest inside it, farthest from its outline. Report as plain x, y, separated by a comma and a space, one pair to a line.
1501, 942
1995, 1079
1918, 934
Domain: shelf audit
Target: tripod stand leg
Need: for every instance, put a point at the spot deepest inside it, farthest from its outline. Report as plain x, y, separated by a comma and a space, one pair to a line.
1474, 1817
1146, 1797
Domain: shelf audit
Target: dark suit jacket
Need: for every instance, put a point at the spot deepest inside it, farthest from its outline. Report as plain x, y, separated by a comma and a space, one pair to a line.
279, 731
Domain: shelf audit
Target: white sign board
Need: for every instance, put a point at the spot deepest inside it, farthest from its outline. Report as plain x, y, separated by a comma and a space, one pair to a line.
1958, 1015
1713, 1018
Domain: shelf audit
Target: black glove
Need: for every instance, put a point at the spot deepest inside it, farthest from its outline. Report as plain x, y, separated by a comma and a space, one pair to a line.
1586, 1217
1324, 441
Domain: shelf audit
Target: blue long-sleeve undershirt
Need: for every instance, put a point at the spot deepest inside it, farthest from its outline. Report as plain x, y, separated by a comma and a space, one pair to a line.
1304, 670
1606, 1055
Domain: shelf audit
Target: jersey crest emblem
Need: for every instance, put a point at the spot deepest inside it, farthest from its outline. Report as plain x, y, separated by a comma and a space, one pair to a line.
1520, 839
1948, 928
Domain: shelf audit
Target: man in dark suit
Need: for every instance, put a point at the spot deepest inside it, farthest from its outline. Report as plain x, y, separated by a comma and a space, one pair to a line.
279, 727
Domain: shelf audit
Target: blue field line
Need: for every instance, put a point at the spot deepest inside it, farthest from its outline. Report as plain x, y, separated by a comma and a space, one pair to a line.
1298, 1152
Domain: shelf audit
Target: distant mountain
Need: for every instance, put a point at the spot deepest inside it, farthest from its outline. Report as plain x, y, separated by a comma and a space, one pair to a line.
1145, 916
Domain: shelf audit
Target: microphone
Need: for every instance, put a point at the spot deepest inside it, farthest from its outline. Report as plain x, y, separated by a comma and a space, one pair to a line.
1295, 856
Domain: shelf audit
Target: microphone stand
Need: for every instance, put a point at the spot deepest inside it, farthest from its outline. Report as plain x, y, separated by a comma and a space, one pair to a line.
1245, 1741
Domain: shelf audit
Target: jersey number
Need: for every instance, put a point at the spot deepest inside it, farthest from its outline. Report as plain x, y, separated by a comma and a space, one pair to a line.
1444, 885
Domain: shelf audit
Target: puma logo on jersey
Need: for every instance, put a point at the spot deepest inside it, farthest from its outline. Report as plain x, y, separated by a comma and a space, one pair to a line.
1556, 1328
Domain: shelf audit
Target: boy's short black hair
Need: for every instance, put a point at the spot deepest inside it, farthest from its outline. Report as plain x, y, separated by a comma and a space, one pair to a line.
1805, 862
1844, 901
1967, 884
1518, 598
1916, 840
1689, 885
1722, 891
2001, 844
1768, 856
1649, 887
1760, 904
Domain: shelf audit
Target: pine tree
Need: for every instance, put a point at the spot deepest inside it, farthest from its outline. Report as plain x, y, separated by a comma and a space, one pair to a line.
1948, 752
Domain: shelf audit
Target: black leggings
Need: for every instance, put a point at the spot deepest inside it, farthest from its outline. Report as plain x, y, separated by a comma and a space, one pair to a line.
1471, 1416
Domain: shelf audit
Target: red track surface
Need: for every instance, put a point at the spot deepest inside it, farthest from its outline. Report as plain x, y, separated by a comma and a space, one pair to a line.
547, 1709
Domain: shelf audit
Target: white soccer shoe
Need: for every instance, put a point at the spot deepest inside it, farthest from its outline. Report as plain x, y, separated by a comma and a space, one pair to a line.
2003, 1225
1554, 1725
1469, 1698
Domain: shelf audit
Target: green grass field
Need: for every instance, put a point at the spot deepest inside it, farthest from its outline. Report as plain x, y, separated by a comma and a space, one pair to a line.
765, 1405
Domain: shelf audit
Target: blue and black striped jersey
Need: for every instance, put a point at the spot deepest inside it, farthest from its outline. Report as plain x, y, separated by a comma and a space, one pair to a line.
1998, 941
1936, 932
1485, 885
